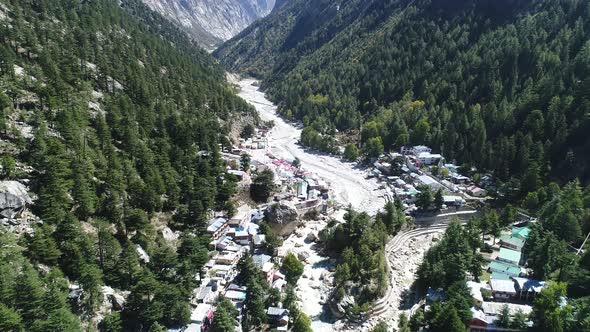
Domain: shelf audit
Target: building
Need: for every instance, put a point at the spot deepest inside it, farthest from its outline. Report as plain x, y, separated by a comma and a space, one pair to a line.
429, 181
418, 149
476, 292
528, 289
453, 200
278, 317
227, 258
241, 218
512, 243
510, 270
217, 228
202, 315
509, 256
427, 158
503, 290
476, 191
259, 240
521, 232
302, 190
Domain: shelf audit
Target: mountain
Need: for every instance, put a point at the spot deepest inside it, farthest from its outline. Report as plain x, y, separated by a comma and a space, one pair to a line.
502, 85
109, 141
212, 21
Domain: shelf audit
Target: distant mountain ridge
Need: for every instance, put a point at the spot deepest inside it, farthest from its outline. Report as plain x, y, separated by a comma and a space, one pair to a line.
211, 22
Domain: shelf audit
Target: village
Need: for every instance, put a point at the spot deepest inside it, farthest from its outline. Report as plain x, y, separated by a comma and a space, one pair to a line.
298, 193
504, 287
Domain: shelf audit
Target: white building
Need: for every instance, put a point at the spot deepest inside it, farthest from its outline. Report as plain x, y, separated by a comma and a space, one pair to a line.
427, 158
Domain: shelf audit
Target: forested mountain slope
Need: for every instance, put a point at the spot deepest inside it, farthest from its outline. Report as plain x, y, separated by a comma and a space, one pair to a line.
211, 22
503, 85
112, 117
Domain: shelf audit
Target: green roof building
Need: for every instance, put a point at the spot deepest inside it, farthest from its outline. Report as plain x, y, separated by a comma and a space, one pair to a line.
504, 268
509, 256
500, 276
521, 232
512, 242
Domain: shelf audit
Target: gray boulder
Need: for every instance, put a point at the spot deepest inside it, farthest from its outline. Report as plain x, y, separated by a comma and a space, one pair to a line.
282, 218
13, 199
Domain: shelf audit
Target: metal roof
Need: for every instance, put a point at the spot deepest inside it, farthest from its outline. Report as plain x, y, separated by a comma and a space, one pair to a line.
509, 255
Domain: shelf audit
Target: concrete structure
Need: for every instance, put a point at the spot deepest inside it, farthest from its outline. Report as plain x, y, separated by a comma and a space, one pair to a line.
528, 289
241, 218
502, 290
427, 158
217, 228
512, 243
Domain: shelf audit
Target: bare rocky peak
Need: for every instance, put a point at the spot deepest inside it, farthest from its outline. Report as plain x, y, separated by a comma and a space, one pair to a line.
211, 22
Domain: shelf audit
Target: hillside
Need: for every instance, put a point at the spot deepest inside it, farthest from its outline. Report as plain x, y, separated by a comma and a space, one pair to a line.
112, 118
502, 85
211, 22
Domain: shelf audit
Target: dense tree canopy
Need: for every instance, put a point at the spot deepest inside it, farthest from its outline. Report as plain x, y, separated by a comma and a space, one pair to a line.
125, 114
501, 84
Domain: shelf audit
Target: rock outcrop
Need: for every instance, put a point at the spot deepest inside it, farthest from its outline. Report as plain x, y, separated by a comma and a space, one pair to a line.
14, 215
211, 22
13, 199
282, 218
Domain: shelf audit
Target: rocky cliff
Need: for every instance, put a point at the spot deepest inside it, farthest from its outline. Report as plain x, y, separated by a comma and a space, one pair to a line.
211, 22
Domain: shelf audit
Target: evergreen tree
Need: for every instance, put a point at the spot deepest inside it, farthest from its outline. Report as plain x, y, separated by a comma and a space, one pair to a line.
292, 267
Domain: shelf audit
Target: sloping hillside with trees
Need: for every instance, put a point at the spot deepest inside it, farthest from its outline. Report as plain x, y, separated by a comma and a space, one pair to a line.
113, 118
499, 84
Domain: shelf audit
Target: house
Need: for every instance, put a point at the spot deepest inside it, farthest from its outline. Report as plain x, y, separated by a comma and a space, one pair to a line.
278, 317
418, 149
479, 320
453, 200
458, 178
206, 295
476, 291
509, 256
241, 218
476, 191
236, 296
313, 194
429, 181
493, 309
260, 260
521, 232
217, 227
227, 258
268, 271
302, 190
427, 158
202, 314
510, 242
508, 269
503, 290
528, 289
259, 240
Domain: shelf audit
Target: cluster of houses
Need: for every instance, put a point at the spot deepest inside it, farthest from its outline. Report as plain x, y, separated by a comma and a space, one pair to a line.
506, 288
508, 285
239, 235
414, 166
232, 238
301, 189
258, 141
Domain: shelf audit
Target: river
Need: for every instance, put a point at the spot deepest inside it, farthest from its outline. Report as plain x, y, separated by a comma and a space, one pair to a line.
348, 184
